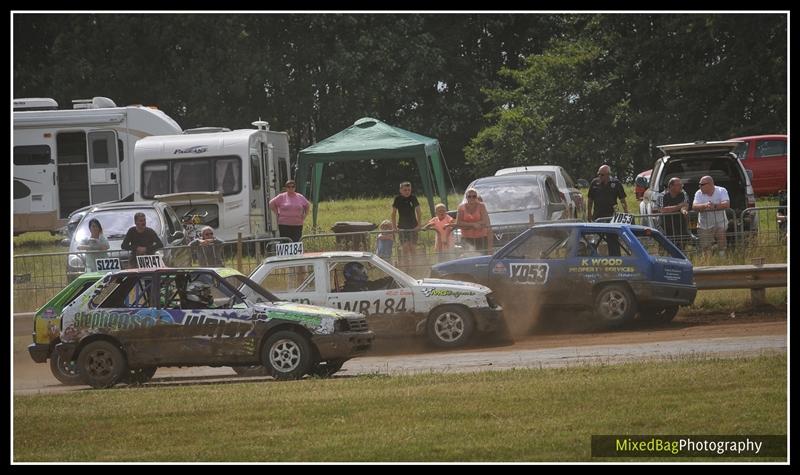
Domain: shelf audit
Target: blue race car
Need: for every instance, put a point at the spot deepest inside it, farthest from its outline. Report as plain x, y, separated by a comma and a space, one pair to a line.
616, 270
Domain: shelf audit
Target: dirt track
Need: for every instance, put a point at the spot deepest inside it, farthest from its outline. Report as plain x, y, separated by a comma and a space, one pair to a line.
716, 334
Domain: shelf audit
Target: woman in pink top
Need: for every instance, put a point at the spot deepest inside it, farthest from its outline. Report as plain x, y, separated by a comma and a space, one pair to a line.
291, 209
473, 219
441, 223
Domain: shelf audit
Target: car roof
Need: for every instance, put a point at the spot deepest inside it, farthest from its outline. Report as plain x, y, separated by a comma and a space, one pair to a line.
321, 255
223, 271
510, 178
591, 225
756, 137
125, 205
527, 168
699, 147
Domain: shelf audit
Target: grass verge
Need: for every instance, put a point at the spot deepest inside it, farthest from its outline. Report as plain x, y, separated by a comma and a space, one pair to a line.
519, 415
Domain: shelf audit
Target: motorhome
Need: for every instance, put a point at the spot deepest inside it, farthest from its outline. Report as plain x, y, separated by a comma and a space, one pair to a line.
65, 159
231, 176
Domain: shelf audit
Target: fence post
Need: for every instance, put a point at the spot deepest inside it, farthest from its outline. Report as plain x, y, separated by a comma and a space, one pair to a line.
239, 251
758, 297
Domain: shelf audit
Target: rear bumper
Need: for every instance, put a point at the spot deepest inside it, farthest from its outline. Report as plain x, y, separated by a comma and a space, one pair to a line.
38, 352
343, 345
664, 294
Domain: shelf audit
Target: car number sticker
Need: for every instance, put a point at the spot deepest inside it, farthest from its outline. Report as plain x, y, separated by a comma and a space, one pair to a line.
108, 264
369, 307
289, 249
529, 273
624, 218
149, 262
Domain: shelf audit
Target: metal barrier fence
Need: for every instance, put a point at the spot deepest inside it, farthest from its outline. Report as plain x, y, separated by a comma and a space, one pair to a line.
37, 277
753, 233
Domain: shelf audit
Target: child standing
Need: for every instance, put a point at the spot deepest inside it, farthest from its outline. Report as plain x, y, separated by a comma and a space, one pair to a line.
444, 231
385, 240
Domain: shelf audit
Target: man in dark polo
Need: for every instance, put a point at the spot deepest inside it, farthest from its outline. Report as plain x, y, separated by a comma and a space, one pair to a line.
603, 194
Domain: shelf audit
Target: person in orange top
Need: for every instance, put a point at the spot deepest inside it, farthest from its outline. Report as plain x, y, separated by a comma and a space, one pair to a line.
441, 223
473, 219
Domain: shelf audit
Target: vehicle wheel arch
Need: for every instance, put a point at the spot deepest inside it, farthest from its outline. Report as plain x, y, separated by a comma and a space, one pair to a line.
598, 288
93, 338
292, 327
469, 323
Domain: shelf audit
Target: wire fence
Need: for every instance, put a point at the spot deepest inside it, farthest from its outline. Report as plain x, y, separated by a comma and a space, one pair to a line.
756, 232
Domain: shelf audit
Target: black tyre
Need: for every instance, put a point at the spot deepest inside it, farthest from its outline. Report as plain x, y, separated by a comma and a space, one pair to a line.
102, 364
65, 371
287, 355
659, 314
139, 375
253, 370
614, 305
450, 326
326, 369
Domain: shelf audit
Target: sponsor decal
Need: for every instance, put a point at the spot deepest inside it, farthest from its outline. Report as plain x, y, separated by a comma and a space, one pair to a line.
529, 273
194, 149
499, 268
434, 292
603, 264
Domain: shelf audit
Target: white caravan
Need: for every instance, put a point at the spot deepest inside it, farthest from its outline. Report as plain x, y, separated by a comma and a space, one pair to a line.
70, 158
246, 167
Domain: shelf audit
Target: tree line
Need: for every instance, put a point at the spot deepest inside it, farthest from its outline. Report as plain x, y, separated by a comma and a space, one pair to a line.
496, 90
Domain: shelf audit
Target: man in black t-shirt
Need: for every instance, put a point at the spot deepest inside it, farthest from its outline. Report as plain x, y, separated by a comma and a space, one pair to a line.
603, 194
673, 201
407, 206
140, 240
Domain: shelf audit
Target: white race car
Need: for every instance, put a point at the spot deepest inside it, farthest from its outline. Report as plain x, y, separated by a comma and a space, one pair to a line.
448, 312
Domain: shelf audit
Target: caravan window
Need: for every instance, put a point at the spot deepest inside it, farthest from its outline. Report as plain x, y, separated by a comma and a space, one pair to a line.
255, 171
198, 174
32, 155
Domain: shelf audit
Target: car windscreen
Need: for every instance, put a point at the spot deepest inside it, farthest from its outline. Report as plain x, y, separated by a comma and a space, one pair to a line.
116, 222
505, 196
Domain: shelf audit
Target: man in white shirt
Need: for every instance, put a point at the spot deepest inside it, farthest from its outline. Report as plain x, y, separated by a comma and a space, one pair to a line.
710, 202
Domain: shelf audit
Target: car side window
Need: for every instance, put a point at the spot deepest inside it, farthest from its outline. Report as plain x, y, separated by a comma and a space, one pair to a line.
131, 291
770, 148
603, 245
290, 279
543, 244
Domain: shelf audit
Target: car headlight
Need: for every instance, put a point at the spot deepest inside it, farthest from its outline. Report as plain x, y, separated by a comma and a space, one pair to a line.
75, 261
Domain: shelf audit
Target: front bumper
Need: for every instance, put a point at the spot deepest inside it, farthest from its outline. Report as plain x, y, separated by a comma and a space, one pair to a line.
488, 319
39, 352
664, 294
343, 344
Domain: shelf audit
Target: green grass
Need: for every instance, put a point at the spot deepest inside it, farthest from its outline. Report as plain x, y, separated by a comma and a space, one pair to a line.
519, 415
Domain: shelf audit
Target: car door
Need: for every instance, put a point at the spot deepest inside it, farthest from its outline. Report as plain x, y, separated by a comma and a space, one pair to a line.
534, 271
388, 304
769, 165
206, 330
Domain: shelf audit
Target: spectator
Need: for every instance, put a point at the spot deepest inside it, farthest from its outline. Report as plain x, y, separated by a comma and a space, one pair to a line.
783, 221
603, 194
675, 204
406, 206
444, 238
207, 249
473, 219
140, 240
710, 202
385, 240
95, 242
291, 208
